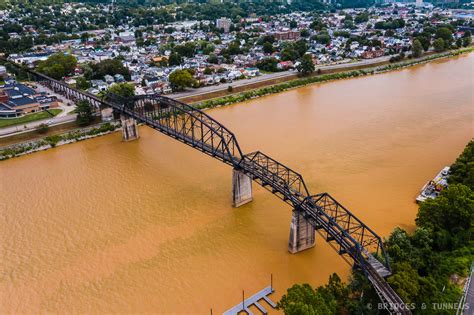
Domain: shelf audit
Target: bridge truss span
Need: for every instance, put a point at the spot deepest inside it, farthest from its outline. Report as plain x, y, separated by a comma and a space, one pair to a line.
182, 122
275, 177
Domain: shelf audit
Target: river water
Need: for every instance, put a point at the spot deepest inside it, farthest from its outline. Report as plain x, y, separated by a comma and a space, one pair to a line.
102, 226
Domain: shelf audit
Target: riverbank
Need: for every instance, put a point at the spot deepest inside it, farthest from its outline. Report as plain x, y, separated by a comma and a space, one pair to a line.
53, 141
266, 87
277, 88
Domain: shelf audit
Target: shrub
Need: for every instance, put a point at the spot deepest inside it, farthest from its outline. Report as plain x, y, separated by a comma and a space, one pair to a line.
42, 128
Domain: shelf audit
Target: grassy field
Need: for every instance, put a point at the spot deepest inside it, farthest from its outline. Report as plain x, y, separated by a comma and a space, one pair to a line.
28, 118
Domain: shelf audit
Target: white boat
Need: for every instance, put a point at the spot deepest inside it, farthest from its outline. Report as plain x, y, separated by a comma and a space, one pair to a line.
434, 187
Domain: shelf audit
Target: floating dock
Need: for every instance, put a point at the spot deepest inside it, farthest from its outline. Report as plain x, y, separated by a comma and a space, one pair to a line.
253, 300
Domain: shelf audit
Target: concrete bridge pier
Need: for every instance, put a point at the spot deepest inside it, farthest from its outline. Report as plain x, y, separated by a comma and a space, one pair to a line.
129, 128
302, 233
241, 188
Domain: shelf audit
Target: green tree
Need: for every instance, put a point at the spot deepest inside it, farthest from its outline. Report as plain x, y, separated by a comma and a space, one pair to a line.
439, 44
405, 282
58, 65
425, 42
289, 53
304, 300
450, 216
301, 47
462, 171
175, 59
213, 59
467, 39
109, 67
417, 48
305, 33
84, 113
180, 79
267, 47
323, 39
268, 64
446, 34
306, 65
85, 37
122, 89
82, 83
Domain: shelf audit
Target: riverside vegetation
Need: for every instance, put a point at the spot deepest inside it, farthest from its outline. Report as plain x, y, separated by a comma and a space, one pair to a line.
428, 265
54, 140
244, 96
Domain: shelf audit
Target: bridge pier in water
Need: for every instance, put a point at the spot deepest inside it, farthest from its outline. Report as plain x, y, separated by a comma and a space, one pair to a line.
241, 188
302, 233
129, 128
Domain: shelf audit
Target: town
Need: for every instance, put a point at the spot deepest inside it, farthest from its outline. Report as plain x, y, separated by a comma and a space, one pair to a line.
223, 51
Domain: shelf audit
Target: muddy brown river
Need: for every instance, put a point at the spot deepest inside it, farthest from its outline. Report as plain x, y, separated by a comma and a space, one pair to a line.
147, 226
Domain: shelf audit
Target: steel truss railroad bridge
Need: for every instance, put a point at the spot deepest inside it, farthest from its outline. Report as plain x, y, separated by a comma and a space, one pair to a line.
349, 236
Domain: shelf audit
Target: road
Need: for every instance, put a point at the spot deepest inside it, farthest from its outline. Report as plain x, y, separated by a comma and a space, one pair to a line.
272, 76
469, 296
19, 129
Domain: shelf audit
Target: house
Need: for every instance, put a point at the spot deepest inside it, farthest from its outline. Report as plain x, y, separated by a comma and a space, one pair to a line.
29, 58
119, 78
99, 85
287, 35
93, 91
126, 37
150, 81
374, 53
109, 79
251, 72
3, 72
285, 65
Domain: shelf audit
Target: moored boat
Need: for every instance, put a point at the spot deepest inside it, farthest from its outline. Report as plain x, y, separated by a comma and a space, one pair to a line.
434, 187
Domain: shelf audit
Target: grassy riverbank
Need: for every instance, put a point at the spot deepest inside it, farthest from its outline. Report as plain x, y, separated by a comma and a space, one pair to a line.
303, 81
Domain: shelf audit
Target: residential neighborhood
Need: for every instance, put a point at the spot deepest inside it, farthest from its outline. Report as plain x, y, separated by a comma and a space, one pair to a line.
222, 51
